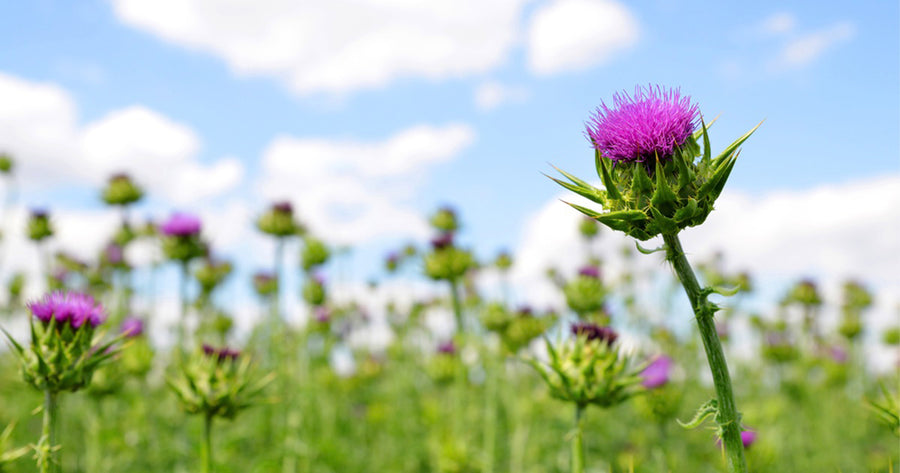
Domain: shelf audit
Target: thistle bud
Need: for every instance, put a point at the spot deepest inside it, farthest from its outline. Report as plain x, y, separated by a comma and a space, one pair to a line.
211, 274
121, 191
314, 292
448, 263
217, 382
585, 294
265, 284
444, 220
39, 225
181, 238
589, 369
6, 164
315, 253
279, 221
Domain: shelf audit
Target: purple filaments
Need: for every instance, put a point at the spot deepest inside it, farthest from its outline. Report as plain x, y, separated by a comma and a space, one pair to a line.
114, 254
446, 348
284, 207
656, 374
221, 354
590, 272
443, 241
132, 327
72, 308
181, 224
323, 315
594, 332
640, 128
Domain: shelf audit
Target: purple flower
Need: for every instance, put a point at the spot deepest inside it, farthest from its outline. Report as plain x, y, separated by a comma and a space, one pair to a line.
221, 354
443, 241
590, 272
446, 348
114, 253
283, 207
595, 332
838, 354
181, 224
323, 315
132, 327
656, 374
73, 308
642, 127
748, 437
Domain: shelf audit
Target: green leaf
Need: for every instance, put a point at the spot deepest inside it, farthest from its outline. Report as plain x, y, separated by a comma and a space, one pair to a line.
707, 149
641, 181
646, 251
708, 408
664, 198
590, 193
733, 146
612, 191
686, 212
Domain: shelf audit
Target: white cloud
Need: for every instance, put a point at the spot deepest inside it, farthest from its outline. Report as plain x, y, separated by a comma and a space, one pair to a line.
38, 126
353, 191
492, 94
830, 233
778, 23
567, 35
804, 50
337, 46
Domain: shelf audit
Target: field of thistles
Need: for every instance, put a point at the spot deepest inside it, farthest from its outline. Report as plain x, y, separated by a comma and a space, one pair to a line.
612, 381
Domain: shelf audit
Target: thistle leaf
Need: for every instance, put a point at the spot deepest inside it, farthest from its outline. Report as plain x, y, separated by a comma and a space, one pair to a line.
611, 190
708, 408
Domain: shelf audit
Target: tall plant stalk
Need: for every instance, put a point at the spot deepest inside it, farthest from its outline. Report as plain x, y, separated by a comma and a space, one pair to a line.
578, 441
727, 418
51, 462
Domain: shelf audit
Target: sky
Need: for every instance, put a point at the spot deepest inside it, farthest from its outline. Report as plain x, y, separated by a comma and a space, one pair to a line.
369, 114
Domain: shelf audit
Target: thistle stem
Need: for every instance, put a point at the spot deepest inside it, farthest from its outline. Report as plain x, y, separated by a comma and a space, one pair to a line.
727, 417
206, 447
51, 463
578, 441
457, 305
182, 322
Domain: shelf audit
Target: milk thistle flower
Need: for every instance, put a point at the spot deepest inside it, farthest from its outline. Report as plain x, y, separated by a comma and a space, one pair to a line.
658, 180
62, 357
588, 369
216, 382
656, 374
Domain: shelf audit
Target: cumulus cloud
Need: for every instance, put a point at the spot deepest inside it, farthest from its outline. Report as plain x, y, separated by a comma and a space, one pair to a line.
353, 191
490, 95
337, 46
39, 127
805, 49
567, 35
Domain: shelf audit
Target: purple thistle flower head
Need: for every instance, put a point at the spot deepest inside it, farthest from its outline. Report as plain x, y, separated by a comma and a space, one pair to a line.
114, 253
323, 315
39, 213
181, 224
221, 354
590, 272
838, 354
748, 437
73, 308
656, 374
442, 241
640, 128
132, 327
595, 332
283, 207
446, 348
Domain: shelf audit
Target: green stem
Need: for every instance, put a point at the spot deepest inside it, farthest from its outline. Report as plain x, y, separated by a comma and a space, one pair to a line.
727, 417
490, 411
206, 447
457, 305
51, 463
182, 322
279, 252
578, 441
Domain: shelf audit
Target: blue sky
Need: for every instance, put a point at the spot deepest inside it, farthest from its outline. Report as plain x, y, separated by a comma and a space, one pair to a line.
235, 87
